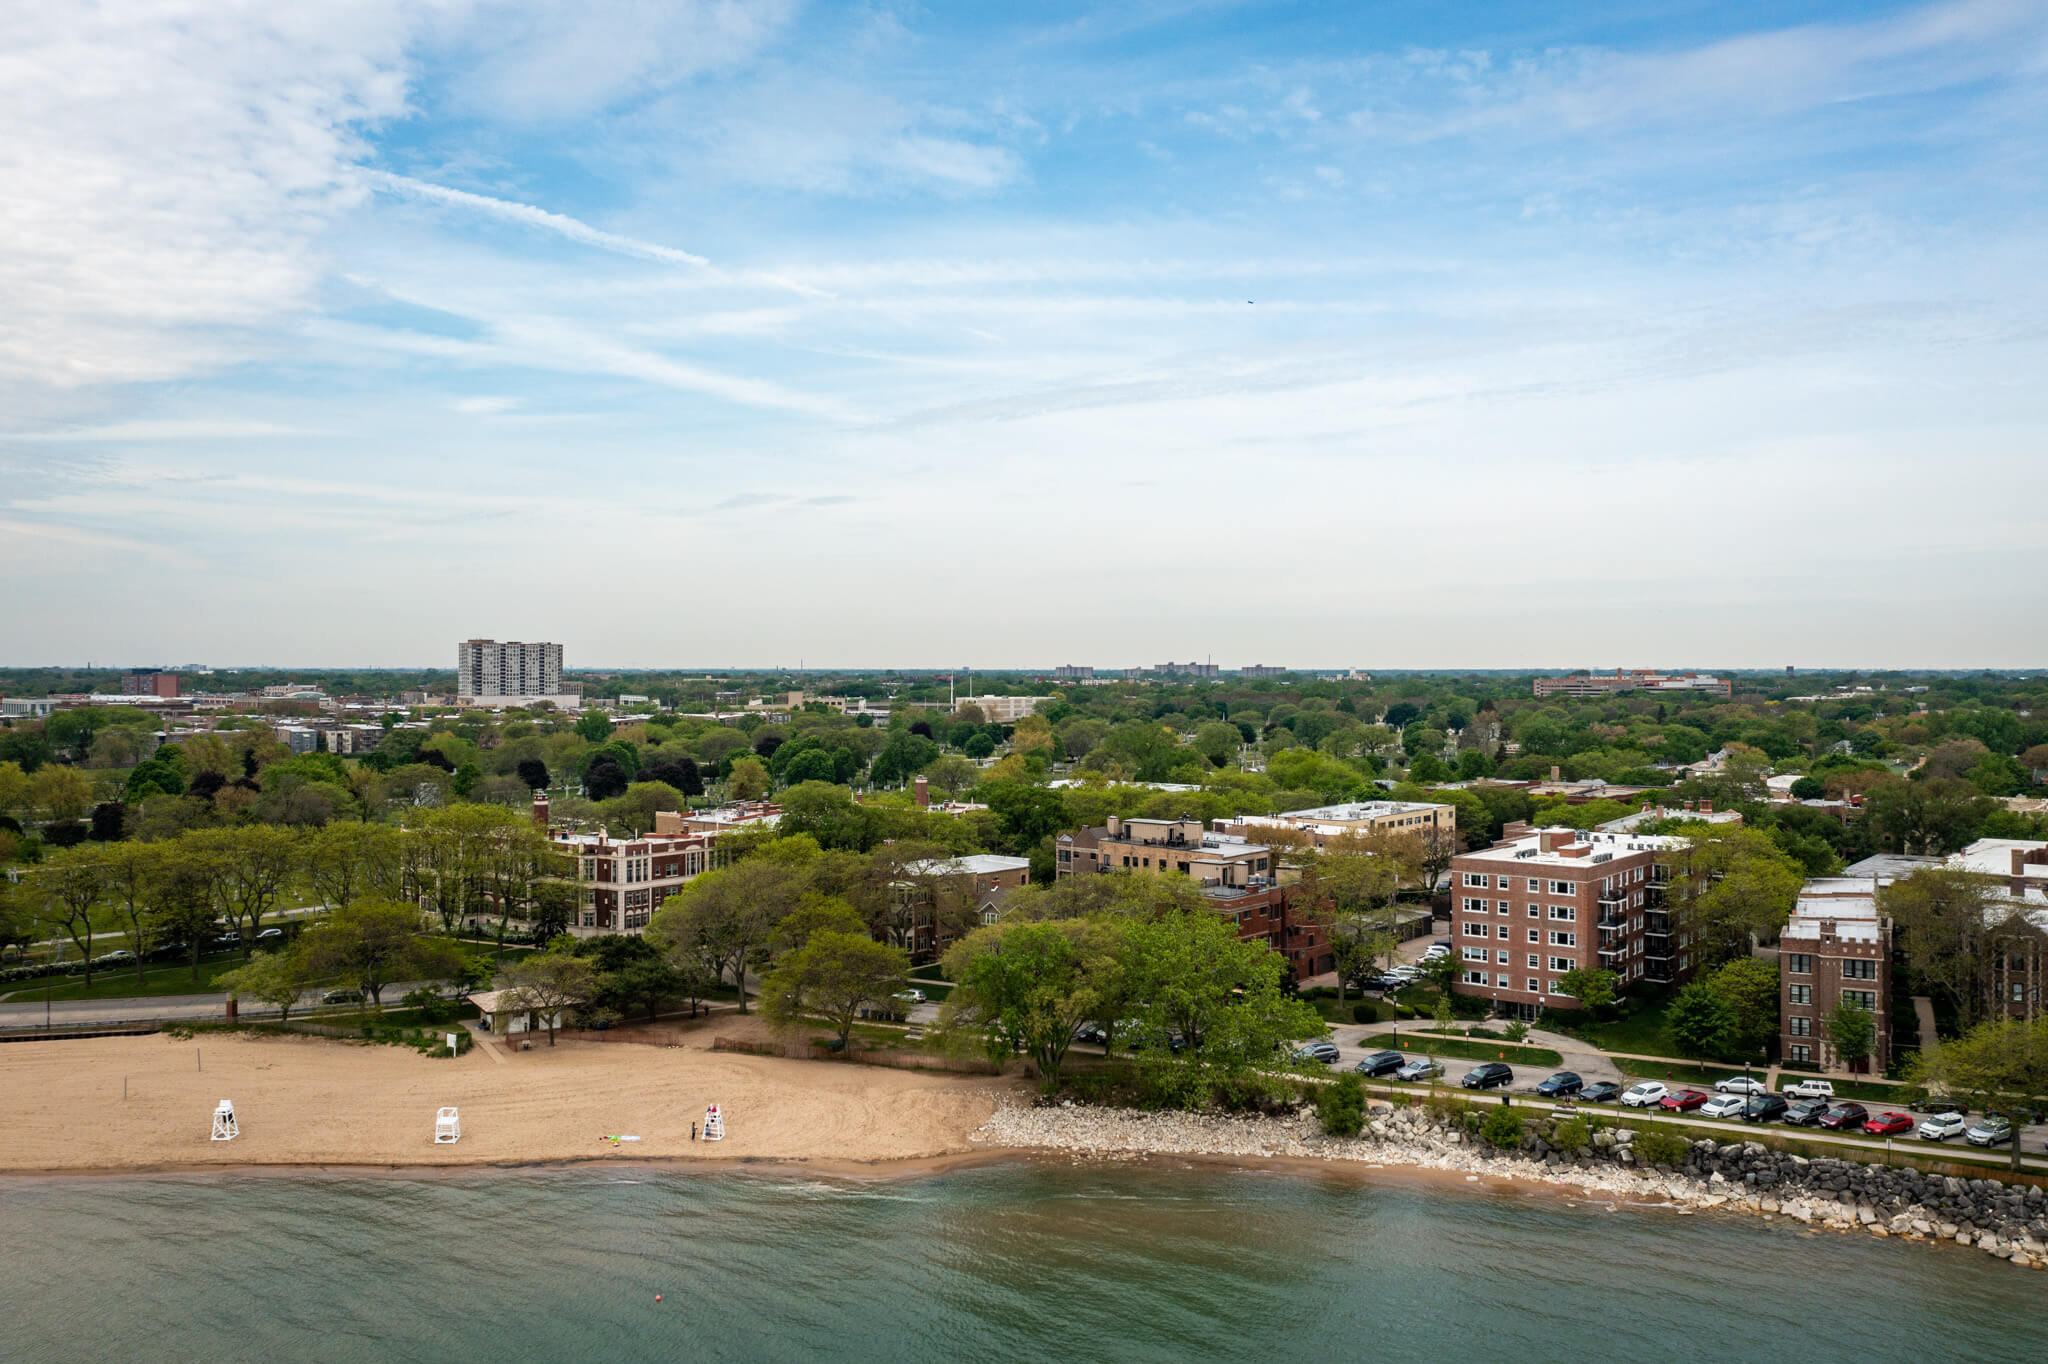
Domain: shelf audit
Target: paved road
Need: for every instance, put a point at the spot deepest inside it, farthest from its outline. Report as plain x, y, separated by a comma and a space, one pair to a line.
71, 1013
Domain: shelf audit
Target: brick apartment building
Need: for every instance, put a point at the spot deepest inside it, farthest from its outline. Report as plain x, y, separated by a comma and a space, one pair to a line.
1837, 946
620, 882
985, 880
149, 684
1237, 877
2019, 934
1541, 902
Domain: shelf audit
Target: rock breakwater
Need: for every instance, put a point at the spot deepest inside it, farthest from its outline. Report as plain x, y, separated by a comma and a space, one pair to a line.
2009, 1221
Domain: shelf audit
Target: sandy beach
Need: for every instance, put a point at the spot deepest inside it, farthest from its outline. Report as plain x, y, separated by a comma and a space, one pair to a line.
309, 1101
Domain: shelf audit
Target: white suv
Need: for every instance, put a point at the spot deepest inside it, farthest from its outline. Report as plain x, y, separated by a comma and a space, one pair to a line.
1811, 1089
1644, 1095
1942, 1126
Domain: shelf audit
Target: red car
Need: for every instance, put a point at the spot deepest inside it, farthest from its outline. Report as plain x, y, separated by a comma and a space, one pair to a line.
1684, 1101
1885, 1124
1845, 1117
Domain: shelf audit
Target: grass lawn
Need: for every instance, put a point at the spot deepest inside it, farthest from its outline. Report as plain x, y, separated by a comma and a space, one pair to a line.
159, 978
1677, 1071
1642, 1032
1333, 1012
1429, 1044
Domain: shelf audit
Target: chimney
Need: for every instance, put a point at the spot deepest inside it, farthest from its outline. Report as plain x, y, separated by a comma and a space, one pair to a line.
923, 790
1706, 807
1688, 805
540, 809
1646, 807
1553, 772
1550, 840
1116, 827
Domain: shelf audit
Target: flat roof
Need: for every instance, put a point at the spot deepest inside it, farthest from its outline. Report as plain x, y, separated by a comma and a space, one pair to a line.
976, 864
1528, 851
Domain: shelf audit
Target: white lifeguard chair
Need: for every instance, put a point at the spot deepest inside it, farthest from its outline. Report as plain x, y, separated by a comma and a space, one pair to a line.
224, 1126
714, 1124
447, 1126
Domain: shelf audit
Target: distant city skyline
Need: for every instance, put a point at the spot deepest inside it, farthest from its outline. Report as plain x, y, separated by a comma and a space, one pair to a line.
1481, 337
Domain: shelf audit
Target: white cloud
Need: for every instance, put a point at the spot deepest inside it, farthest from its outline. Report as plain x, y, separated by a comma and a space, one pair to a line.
169, 430
558, 224
168, 170
530, 62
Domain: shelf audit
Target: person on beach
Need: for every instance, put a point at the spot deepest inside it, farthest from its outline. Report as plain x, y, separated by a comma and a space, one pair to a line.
693, 1131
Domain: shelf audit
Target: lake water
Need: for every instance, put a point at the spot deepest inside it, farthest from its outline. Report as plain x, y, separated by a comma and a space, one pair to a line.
1012, 1262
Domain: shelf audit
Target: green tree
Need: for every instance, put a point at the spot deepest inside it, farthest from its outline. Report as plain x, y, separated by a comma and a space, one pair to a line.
2000, 1065
815, 913
1595, 988
250, 869
274, 978
952, 774
547, 983
372, 943
1749, 986
1949, 923
1701, 1021
1502, 1129
1730, 885
593, 726
1340, 1106
1026, 987
1221, 994
1852, 1032
833, 976
65, 889
723, 918
749, 779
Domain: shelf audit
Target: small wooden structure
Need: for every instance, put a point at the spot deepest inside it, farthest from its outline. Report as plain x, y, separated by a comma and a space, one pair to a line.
447, 1126
225, 1127
714, 1124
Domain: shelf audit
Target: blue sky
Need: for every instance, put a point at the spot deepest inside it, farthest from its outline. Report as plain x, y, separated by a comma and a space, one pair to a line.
1372, 335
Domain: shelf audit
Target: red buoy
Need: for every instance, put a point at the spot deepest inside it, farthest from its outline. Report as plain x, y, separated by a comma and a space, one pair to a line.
657, 1297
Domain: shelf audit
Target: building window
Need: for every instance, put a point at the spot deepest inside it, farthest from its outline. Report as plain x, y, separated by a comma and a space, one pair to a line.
1534, 961
1475, 880
1500, 959
1476, 954
1563, 888
1857, 969
1503, 932
1565, 913
1503, 881
1535, 911
1801, 1053
1799, 1026
1475, 906
1800, 994
1564, 939
1535, 986
1535, 886
1475, 977
1505, 907
1862, 999
1561, 964
1476, 931
1535, 935
1502, 981
1798, 964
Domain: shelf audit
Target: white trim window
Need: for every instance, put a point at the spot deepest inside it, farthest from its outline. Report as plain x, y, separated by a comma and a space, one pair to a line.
1567, 914
1474, 905
1477, 880
1477, 954
1502, 981
1564, 888
1475, 977
1475, 930
1563, 939
1562, 964
1503, 932
1500, 959
1535, 986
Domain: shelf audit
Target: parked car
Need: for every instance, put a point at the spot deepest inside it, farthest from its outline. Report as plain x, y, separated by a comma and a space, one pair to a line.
1806, 1112
1764, 1107
1421, 1068
1382, 1063
1724, 1106
1810, 1089
342, 997
113, 958
1562, 1085
1435, 950
1889, 1124
1647, 1094
1847, 1117
1488, 1076
1600, 1092
270, 935
1093, 1033
1942, 1126
911, 996
1956, 1106
1990, 1130
1741, 1084
228, 940
1325, 1052
1684, 1101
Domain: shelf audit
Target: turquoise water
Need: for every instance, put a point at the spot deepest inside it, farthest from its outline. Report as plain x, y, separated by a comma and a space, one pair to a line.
1016, 1262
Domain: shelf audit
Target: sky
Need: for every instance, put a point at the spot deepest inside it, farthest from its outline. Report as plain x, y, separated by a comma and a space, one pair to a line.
708, 333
